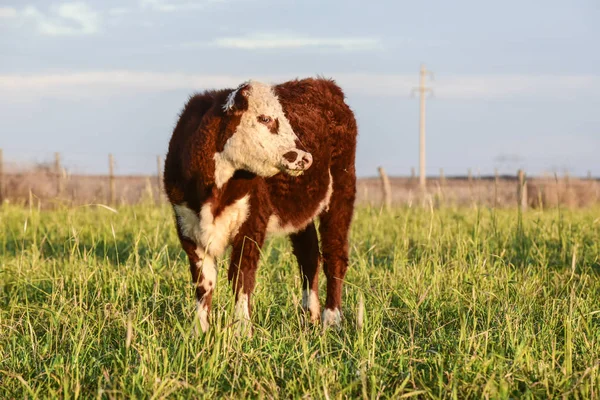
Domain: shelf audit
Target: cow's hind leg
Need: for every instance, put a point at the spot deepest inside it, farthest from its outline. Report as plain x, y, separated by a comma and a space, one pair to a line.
245, 256
306, 249
334, 228
204, 277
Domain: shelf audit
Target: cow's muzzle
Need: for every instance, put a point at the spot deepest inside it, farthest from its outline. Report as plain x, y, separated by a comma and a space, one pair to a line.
295, 162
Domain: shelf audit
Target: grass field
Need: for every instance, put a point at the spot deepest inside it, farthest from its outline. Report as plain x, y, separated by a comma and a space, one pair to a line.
457, 304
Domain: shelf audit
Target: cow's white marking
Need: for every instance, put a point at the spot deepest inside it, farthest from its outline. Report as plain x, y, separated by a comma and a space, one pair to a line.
208, 281
310, 302
202, 314
241, 307
242, 314
188, 222
209, 270
331, 317
252, 146
274, 224
223, 170
212, 235
216, 233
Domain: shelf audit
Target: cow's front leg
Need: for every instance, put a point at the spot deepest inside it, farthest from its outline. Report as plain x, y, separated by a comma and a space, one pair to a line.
306, 249
204, 277
245, 256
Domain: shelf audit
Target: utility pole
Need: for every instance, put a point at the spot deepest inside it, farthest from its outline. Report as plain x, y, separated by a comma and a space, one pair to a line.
423, 91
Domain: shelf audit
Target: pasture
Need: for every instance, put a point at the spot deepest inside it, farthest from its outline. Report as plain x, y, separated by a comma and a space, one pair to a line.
454, 303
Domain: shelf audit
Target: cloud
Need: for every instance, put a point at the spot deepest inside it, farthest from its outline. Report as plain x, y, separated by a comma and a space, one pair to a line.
119, 10
455, 87
65, 19
467, 87
172, 6
276, 41
107, 82
8, 12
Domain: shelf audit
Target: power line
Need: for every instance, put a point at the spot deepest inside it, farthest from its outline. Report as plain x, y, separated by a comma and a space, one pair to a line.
423, 90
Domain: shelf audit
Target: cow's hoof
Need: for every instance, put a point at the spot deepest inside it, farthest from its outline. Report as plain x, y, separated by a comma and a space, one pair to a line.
310, 304
244, 328
201, 325
202, 315
331, 318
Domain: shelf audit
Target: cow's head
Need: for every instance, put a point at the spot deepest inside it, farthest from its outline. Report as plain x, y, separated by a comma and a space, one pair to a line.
262, 140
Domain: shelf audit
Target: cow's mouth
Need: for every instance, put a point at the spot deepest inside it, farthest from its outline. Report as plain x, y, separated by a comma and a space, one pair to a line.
294, 172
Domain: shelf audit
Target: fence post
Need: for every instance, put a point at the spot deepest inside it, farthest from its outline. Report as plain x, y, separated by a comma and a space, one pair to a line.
385, 184
58, 173
111, 179
470, 183
158, 179
442, 177
412, 174
522, 190
1, 178
496, 181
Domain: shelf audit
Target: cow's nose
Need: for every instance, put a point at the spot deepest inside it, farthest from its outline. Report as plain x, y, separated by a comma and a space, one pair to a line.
297, 161
306, 161
291, 156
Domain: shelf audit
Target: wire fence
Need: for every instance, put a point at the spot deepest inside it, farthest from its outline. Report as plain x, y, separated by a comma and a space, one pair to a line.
52, 181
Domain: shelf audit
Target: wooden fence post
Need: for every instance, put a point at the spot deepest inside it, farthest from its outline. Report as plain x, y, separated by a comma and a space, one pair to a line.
1, 178
58, 174
496, 181
522, 190
478, 186
442, 177
111, 179
387, 191
412, 174
159, 179
470, 182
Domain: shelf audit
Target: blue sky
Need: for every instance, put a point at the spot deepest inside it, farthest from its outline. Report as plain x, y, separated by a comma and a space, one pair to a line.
517, 83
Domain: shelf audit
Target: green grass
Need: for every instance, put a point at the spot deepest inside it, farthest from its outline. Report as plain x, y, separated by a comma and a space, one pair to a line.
457, 304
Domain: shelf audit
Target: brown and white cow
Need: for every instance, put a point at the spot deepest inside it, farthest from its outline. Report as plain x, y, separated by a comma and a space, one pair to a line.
264, 159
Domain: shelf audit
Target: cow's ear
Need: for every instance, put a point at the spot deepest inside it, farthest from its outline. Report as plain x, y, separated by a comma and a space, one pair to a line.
237, 101
244, 90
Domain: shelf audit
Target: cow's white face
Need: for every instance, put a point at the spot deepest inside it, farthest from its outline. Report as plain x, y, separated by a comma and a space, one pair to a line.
263, 141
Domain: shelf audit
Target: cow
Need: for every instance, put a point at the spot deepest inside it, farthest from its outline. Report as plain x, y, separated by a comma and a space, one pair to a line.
264, 159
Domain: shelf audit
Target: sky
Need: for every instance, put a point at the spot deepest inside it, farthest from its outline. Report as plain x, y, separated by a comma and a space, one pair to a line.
516, 84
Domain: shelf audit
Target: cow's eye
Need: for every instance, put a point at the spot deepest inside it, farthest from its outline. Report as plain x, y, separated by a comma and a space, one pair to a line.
264, 119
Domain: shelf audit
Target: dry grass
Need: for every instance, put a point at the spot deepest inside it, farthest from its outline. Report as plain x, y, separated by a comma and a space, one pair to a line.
484, 191
47, 189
